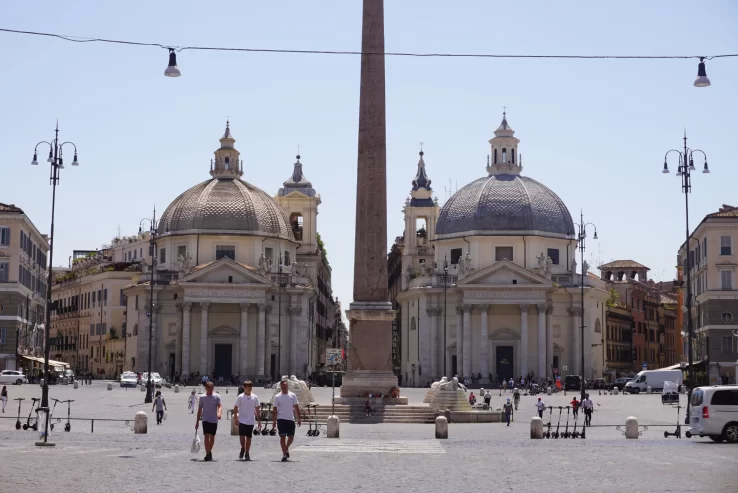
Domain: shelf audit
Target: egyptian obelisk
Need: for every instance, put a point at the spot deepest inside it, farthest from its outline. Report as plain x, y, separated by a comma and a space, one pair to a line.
370, 315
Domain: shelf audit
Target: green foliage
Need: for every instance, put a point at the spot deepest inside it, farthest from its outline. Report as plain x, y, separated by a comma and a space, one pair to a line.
612, 301
321, 246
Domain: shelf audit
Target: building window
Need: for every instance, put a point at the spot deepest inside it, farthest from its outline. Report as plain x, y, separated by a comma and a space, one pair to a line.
412, 323
105, 297
162, 255
3, 335
92, 329
553, 254
455, 255
726, 346
287, 258
225, 251
181, 251
4, 236
704, 247
268, 253
4, 268
725, 245
726, 280
503, 253
136, 304
726, 317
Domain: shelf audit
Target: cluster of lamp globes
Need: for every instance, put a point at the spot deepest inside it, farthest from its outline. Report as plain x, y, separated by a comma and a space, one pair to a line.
173, 71
51, 159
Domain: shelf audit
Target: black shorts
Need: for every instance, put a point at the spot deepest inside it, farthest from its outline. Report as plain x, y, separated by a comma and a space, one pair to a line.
245, 430
209, 428
286, 427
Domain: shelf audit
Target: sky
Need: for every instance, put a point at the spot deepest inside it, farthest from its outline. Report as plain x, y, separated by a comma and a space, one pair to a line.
594, 131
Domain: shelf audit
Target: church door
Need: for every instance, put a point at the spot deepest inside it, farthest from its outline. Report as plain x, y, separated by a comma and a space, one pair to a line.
223, 358
505, 366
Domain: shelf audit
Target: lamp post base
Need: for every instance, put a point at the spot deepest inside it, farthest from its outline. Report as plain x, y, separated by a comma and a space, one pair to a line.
45, 444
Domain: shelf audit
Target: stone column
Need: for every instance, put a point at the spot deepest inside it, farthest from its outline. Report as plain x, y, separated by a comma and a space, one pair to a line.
243, 342
467, 341
204, 338
186, 314
484, 343
549, 340
432, 371
576, 340
268, 343
260, 340
294, 318
178, 342
524, 369
459, 342
541, 347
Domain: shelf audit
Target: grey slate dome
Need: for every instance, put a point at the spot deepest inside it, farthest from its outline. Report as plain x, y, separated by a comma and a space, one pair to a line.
226, 204
504, 204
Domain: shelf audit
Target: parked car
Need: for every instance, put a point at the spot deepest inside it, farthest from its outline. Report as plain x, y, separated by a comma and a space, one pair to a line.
12, 377
599, 383
620, 383
714, 413
128, 379
572, 382
654, 379
155, 379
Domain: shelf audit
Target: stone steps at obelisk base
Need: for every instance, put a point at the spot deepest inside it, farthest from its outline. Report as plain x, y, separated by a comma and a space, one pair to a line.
380, 414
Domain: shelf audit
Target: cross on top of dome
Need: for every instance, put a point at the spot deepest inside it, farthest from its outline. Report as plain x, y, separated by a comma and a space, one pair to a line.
226, 163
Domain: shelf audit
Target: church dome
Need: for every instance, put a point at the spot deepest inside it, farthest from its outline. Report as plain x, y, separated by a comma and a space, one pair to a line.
225, 204
504, 203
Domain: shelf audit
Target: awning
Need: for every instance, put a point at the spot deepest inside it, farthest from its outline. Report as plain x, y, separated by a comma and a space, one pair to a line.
52, 363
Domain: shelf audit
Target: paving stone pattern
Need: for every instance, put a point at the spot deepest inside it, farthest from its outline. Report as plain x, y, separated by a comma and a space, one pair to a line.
381, 457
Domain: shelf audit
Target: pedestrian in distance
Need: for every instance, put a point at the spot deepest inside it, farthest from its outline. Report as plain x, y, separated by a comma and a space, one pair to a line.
507, 408
510, 384
4, 397
286, 407
540, 406
575, 407
246, 410
192, 402
588, 407
210, 410
516, 397
160, 406
487, 398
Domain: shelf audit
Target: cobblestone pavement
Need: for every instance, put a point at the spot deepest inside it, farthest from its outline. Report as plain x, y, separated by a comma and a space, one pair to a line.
382, 457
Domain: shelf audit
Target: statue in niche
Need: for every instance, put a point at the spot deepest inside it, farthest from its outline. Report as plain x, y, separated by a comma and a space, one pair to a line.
144, 265
547, 265
541, 262
573, 265
269, 264
185, 263
262, 263
467, 262
294, 267
435, 266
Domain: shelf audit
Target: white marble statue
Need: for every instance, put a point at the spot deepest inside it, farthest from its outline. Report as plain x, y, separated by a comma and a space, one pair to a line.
144, 265
547, 265
437, 384
269, 264
573, 265
541, 261
467, 262
585, 268
453, 384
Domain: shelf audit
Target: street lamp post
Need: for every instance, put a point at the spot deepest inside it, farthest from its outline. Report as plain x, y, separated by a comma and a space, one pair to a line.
580, 237
57, 164
281, 284
684, 172
153, 234
445, 288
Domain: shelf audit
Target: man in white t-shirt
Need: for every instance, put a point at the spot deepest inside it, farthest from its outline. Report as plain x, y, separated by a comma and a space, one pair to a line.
246, 410
540, 406
286, 408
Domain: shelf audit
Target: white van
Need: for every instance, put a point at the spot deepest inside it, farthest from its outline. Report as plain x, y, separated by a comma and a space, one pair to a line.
654, 379
714, 413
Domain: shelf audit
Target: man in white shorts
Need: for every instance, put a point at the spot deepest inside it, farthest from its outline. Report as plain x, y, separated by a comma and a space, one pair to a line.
246, 410
286, 408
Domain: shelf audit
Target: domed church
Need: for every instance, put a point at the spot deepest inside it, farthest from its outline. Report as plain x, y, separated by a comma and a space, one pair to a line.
489, 287
235, 278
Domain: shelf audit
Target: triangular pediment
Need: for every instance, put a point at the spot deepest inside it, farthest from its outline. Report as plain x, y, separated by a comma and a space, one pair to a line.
505, 334
503, 273
223, 331
224, 271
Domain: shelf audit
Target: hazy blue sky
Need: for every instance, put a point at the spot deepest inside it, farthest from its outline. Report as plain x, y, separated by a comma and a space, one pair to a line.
594, 131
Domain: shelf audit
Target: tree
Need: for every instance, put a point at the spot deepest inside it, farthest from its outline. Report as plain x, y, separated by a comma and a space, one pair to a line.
612, 301
321, 246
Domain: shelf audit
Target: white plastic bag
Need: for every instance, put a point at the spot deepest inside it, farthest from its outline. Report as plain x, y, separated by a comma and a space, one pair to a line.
164, 416
195, 448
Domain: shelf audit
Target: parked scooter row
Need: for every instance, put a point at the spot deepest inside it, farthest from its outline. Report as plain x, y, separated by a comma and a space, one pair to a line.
32, 423
566, 433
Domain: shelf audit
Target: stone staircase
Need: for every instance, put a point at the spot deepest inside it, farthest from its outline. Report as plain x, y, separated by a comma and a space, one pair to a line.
355, 414
454, 400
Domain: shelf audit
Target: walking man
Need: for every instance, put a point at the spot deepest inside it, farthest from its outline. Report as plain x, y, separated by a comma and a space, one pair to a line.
286, 408
246, 410
507, 408
210, 410
588, 407
192, 402
541, 406
160, 407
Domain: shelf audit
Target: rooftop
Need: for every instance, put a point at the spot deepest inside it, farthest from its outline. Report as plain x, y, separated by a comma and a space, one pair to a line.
10, 208
622, 264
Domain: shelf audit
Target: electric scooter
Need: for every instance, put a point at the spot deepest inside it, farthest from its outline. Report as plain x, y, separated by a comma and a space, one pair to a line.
51, 425
575, 433
18, 423
28, 424
565, 434
548, 431
68, 425
310, 421
558, 425
678, 432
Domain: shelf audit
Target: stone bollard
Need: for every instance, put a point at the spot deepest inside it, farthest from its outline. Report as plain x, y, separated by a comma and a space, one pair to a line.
684, 389
485, 407
176, 389
615, 391
76, 384
140, 423
110, 386
333, 425
536, 428
631, 427
447, 415
648, 389
549, 391
234, 427
441, 428
143, 388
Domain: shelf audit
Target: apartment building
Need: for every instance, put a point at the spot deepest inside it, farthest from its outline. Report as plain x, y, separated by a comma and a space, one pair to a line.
23, 281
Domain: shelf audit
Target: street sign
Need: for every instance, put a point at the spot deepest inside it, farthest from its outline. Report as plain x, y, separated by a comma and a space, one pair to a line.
333, 357
565, 368
645, 365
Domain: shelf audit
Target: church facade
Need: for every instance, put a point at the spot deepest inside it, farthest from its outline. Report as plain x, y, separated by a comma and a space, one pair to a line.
235, 276
489, 288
